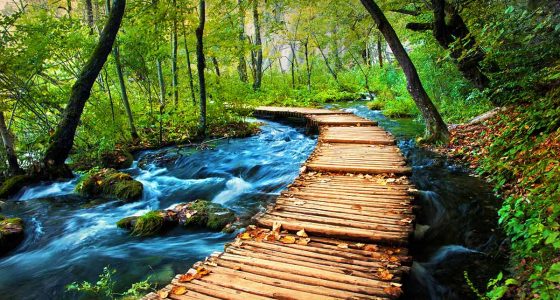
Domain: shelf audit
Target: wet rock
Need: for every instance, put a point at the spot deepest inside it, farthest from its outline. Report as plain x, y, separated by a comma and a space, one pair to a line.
11, 233
196, 214
2, 205
116, 159
13, 184
111, 184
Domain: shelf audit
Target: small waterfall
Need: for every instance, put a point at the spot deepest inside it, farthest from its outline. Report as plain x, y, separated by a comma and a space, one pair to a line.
235, 187
47, 190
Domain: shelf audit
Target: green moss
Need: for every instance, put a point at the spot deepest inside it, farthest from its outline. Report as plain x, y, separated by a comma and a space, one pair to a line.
376, 104
149, 224
11, 233
127, 223
117, 159
13, 184
110, 183
210, 215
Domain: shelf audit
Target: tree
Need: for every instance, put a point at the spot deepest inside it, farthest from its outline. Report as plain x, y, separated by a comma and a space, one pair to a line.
174, 74
191, 84
7, 140
201, 65
258, 54
436, 130
63, 139
242, 66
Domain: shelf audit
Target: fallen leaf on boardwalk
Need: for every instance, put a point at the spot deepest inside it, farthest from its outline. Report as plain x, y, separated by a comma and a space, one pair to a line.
343, 246
211, 263
299, 202
202, 271
393, 291
178, 290
276, 226
288, 239
360, 245
237, 243
302, 169
163, 294
406, 220
303, 242
357, 206
396, 284
236, 268
391, 180
245, 236
384, 274
186, 277
371, 248
361, 176
302, 233
393, 259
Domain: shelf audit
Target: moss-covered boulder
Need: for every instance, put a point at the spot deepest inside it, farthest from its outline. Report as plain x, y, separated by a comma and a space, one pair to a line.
116, 159
110, 183
197, 214
11, 233
204, 214
13, 184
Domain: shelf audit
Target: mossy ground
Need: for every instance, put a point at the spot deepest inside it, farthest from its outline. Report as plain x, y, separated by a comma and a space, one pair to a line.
13, 184
11, 233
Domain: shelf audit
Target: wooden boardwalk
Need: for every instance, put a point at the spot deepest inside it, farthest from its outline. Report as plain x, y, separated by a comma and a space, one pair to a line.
339, 231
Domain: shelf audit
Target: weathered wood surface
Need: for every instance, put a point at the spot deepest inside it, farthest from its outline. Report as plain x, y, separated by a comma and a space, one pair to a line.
339, 231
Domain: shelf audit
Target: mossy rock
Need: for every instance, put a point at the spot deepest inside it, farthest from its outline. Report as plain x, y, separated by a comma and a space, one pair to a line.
117, 159
197, 214
11, 233
207, 214
13, 184
110, 183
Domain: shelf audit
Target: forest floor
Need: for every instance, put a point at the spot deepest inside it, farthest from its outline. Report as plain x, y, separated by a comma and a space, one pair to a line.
519, 158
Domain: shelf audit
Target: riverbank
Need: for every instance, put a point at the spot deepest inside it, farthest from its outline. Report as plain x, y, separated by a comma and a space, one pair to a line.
517, 152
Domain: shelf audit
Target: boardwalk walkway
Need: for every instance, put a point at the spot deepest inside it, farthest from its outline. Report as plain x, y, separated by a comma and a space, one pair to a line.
338, 232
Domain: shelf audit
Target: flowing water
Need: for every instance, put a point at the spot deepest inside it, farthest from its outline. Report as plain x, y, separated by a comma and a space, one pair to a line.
69, 239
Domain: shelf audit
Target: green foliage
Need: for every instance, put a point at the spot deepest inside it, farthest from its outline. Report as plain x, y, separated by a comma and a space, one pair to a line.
104, 288
109, 183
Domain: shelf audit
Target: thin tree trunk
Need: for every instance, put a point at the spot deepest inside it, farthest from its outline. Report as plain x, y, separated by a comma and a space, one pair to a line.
109, 94
380, 51
191, 83
293, 64
175, 80
326, 59
242, 67
63, 139
307, 65
436, 130
7, 140
122, 85
162, 101
89, 16
201, 65
216, 66
258, 44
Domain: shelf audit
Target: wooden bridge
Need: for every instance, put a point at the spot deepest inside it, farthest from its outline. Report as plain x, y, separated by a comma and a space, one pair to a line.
338, 232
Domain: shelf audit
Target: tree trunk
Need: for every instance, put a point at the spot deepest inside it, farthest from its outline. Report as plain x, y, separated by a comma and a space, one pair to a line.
380, 51
258, 44
293, 64
436, 130
242, 67
175, 80
89, 16
326, 59
63, 139
122, 86
201, 65
307, 65
7, 140
191, 83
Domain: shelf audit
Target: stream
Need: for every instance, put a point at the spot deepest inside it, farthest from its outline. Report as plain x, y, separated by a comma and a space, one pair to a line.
68, 238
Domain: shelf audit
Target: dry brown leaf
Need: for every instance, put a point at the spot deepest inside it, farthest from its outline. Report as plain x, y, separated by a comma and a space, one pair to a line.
178, 290
202, 271
288, 239
302, 233
406, 220
186, 277
384, 274
236, 268
276, 226
393, 291
303, 241
360, 245
163, 294
357, 207
371, 248
343, 246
